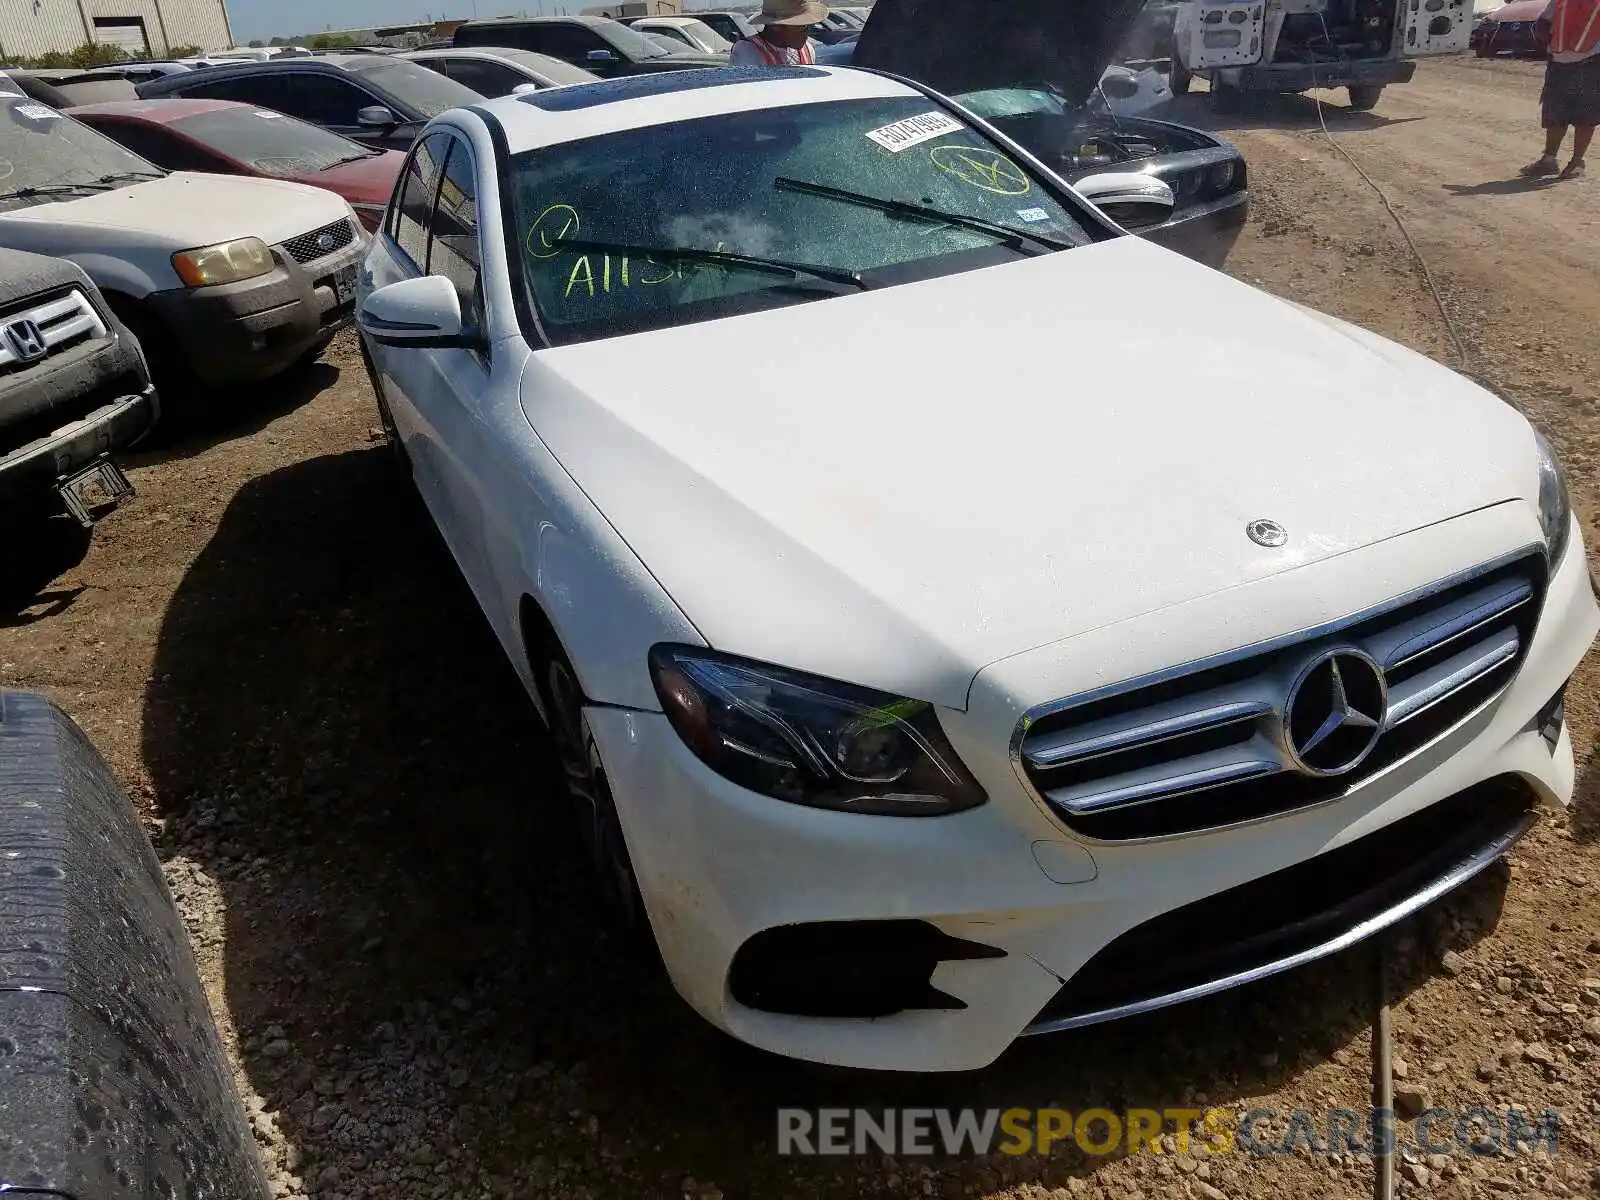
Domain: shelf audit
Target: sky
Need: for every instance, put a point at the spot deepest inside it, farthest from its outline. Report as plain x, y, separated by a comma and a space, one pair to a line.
251, 19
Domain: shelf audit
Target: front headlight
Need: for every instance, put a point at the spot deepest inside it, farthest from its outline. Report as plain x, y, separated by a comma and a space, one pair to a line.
811, 741
1555, 508
227, 262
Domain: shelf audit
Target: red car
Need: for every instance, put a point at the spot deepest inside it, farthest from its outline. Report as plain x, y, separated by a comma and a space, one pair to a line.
224, 138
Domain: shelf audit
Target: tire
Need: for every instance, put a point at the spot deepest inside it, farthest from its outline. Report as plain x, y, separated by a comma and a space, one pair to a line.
1180, 79
594, 810
1226, 98
176, 384
1484, 52
309, 357
391, 432
1364, 98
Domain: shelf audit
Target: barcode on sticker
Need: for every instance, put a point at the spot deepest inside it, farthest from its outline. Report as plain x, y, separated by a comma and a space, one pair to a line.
903, 134
36, 112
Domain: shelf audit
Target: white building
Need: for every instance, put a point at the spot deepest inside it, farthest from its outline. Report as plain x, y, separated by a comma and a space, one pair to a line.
29, 28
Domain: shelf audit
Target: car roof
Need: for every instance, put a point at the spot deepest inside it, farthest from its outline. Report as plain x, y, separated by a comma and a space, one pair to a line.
575, 19
156, 112
584, 110
680, 19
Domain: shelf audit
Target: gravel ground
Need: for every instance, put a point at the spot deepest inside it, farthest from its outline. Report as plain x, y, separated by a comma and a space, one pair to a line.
354, 807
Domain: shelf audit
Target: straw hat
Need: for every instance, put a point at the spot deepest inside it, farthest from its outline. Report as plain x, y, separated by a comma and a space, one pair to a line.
790, 12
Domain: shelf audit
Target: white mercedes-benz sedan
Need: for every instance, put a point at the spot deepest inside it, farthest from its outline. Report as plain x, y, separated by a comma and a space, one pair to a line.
929, 670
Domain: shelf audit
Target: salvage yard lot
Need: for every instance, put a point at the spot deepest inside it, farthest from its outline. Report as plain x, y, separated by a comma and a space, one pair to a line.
356, 811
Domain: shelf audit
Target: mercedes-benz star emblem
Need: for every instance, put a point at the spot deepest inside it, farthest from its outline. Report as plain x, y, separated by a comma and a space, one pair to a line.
1266, 533
1336, 712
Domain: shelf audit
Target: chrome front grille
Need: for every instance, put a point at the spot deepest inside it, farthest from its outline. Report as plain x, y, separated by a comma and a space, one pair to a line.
46, 326
320, 243
1228, 740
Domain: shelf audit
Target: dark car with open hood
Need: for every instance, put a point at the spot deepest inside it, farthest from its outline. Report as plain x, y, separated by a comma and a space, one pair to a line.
1046, 94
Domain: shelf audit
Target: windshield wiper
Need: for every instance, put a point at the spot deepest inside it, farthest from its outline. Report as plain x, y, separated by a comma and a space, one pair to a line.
776, 266
920, 212
54, 189
121, 175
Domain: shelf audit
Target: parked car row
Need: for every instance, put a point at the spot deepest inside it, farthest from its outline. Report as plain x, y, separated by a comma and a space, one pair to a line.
273, 279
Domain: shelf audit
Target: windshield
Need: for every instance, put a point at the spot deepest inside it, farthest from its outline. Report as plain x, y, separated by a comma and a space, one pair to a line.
735, 184
706, 36
554, 69
1013, 102
41, 148
630, 43
428, 92
270, 142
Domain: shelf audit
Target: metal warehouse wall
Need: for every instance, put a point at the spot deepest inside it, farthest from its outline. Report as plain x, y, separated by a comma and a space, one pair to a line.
33, 27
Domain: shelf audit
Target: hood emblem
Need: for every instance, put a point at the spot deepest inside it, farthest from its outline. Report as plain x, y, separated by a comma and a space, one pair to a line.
1335, 713
325, 241
26, 341
1266, 533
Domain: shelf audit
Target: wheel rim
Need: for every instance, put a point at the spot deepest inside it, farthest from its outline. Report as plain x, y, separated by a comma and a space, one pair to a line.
598, 822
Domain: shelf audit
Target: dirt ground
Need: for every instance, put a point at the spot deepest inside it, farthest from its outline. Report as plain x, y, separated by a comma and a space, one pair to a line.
355, 809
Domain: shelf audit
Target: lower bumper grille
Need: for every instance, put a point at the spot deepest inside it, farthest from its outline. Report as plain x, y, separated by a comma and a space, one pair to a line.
1297, 915
1286, 724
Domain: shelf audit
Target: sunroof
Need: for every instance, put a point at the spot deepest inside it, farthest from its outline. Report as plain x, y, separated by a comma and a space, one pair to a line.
661, 83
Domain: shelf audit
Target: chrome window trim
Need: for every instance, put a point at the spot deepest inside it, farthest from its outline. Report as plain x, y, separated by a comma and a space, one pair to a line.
1052, 708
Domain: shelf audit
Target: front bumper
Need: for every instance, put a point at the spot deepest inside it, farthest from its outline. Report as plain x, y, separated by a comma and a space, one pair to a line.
1204, 232
718, 865
240, 332
34, 469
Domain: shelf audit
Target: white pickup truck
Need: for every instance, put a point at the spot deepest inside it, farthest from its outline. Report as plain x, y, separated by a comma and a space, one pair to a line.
1297, 45
223, 279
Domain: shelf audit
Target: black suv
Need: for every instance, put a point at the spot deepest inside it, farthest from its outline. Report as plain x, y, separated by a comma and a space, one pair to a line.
74, 387
375, 99
597, 44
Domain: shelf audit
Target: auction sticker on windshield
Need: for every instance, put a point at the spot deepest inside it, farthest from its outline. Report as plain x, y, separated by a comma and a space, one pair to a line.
901, 135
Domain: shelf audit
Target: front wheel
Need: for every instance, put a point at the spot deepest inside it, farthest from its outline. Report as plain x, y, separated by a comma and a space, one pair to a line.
1225, 97
1364, 98
594, 809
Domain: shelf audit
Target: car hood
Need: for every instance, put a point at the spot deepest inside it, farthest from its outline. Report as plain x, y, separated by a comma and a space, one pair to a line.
956, 46
990, 462
189, 209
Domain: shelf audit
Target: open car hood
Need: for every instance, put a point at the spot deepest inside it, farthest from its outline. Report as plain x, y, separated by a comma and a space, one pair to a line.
959, 46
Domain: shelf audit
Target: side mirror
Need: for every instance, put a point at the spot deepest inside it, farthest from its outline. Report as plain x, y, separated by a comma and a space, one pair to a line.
376, 116
525, 89
423, 313
600, 58
1132, 200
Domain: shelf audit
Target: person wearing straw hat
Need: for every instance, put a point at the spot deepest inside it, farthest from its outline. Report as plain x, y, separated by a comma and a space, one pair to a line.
783, 40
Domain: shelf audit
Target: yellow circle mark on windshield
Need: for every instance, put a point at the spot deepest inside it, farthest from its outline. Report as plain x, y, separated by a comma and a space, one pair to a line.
549, 227
985, 169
